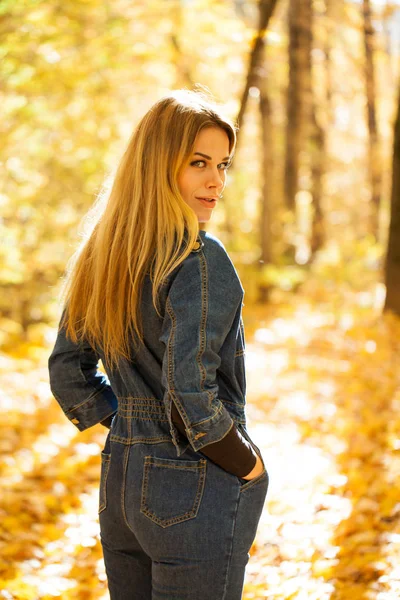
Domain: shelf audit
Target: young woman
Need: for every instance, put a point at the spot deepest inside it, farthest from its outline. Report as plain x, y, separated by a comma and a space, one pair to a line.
159, 301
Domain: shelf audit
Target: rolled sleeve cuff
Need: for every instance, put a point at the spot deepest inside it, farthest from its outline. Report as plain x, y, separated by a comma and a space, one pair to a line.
93, 410
210, 430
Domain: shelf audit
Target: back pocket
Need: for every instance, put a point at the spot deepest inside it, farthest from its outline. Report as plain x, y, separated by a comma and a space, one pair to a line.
172, 489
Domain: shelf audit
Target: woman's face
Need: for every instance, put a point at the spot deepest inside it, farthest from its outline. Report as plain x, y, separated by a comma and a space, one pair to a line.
204, 175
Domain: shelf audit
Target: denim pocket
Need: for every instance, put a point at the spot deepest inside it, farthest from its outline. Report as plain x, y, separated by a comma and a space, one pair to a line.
105, 465
246, 483
172, 489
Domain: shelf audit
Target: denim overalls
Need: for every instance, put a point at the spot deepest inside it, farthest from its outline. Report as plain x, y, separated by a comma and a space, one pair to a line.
174, 525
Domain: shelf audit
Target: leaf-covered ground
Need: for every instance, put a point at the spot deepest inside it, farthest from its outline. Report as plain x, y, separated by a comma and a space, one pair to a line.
323, 393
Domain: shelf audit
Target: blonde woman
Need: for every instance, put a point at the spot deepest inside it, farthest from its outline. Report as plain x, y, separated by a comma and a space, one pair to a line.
158, 300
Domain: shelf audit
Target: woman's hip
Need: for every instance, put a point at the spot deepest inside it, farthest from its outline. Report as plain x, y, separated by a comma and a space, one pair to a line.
167, 501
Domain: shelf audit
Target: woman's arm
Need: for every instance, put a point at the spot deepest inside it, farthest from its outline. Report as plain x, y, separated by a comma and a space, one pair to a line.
83, 392
233, 453
200, 311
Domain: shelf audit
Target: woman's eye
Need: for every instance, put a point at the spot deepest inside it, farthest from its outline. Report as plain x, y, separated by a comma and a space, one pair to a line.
201, 163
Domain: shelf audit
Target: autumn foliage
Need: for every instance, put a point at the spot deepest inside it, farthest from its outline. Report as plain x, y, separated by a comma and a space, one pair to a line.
323, 405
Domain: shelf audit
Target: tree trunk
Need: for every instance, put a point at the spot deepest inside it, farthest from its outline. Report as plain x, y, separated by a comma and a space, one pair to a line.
392, 267
317, 155
318, 151
266, 10
374, 161
298, 101
267, 184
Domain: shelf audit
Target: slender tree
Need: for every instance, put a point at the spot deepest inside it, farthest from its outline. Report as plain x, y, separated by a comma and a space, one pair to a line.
305, 136
257, 77
317, 150
318, 162
255, 72
266, 9
267, 164
298, 93
392, 266
374, 162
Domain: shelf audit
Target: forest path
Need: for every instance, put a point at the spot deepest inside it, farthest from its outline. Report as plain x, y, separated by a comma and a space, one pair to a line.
323, 399
323, 393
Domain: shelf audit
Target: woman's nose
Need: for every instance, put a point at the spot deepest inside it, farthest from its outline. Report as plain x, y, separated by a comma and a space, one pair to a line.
215, 179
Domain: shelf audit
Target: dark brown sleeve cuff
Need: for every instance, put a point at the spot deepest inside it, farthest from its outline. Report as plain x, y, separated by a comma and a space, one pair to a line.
233, 453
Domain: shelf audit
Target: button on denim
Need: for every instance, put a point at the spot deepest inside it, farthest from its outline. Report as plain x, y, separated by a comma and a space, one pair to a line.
174, 525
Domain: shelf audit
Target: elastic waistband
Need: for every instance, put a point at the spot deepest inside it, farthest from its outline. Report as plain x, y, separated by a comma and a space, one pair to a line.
130, 407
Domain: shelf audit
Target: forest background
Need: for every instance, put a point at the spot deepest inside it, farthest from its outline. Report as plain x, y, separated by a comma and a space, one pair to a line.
311, 220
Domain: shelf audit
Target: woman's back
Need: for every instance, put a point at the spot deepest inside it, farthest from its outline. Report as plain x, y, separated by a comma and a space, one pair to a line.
194, 354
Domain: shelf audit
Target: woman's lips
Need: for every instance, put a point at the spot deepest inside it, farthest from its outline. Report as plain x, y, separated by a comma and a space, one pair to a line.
208, 203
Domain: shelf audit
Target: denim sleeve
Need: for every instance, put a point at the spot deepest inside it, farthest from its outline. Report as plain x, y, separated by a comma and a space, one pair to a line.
81, 389
199, 312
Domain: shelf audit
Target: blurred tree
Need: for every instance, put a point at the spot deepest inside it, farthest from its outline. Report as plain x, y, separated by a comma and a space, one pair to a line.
266, 10
257, 80
267, 168
374, 165
299, 16
317, 142
305, 160
254, 72
318, 161
298, 105
392, 267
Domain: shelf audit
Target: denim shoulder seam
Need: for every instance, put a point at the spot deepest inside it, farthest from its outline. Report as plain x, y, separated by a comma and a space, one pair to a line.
170, 361
219, 253
204, 313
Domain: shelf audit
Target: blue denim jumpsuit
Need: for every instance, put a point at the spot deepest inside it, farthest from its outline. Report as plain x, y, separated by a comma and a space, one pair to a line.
174, 525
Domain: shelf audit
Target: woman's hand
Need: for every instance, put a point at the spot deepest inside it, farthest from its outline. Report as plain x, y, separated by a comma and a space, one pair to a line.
256, 471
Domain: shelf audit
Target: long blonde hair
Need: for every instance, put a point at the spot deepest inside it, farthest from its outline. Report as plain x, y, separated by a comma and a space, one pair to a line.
139, 223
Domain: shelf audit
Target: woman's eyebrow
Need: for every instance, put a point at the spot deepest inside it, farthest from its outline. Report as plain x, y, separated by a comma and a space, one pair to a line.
209, 157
